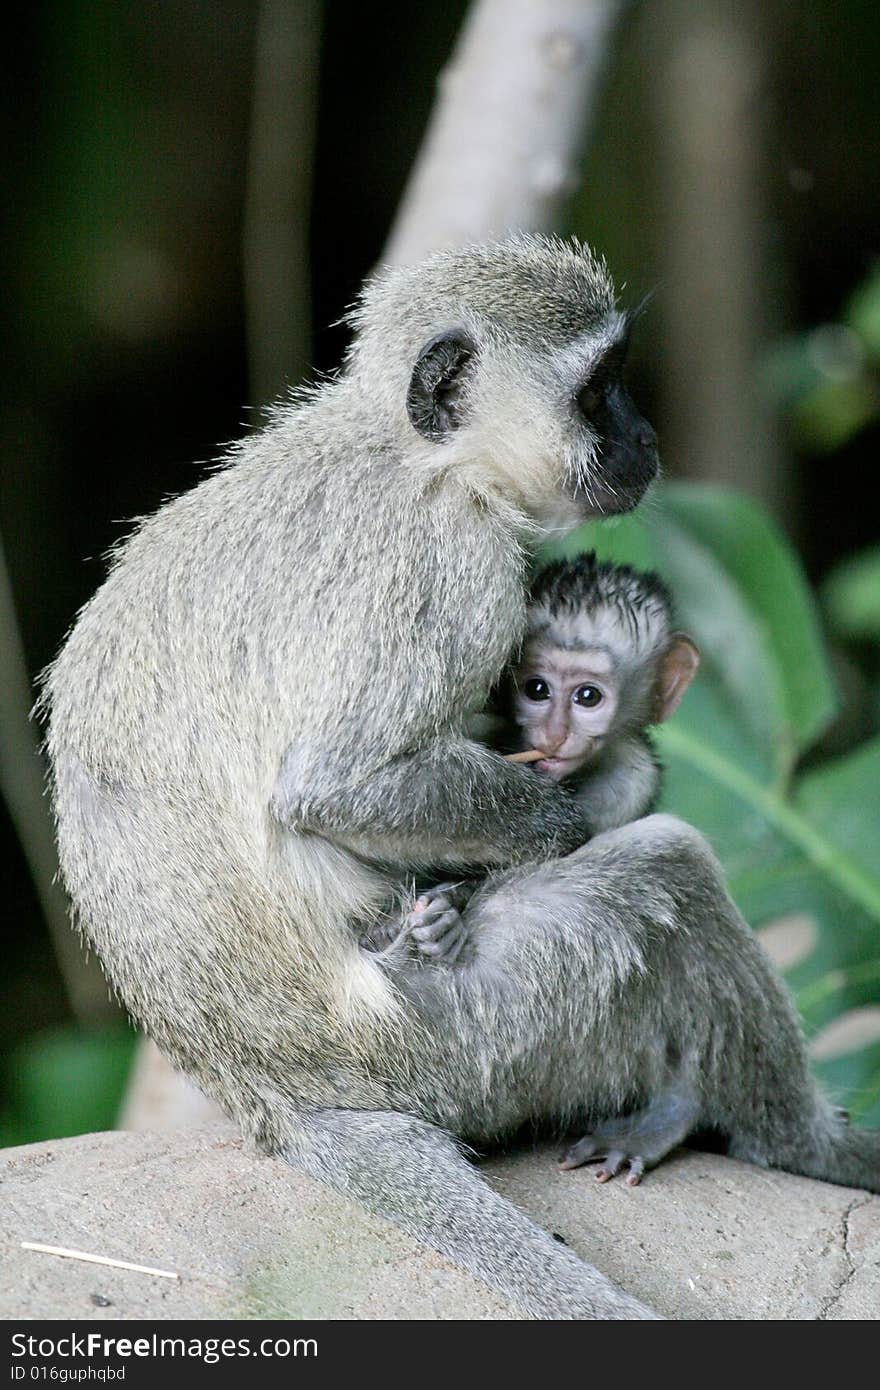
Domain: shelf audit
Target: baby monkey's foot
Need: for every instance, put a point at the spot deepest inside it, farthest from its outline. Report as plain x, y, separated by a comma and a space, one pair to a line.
434, 922
635, 1142
601, 1147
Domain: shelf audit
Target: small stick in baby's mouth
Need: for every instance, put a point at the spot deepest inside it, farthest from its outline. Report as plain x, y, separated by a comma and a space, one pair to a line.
531, 755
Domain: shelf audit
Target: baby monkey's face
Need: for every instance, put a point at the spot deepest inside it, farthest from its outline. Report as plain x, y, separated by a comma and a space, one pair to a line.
565, 705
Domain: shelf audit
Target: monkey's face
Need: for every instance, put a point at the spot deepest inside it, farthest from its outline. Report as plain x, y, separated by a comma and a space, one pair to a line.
565, 704
501, 366
612, 449
557, 431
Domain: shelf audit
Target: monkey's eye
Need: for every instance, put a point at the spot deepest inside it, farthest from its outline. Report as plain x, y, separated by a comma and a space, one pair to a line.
536, 690
588, 695
589, 399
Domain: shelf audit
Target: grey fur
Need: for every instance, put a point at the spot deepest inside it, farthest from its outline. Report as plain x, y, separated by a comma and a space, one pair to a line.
577, 608
583, 606
269, 693
621, 785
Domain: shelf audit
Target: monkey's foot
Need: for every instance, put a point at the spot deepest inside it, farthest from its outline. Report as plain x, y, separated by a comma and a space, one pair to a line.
635, 1142
435, 923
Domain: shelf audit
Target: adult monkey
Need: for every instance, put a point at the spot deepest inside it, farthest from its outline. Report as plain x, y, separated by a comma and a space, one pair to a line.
256, 730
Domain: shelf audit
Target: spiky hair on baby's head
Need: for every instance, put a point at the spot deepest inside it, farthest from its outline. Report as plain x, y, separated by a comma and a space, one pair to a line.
621, 605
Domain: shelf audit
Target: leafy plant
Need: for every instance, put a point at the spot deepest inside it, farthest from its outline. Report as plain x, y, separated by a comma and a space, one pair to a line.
851, 597
66, 1081
825, 380
800, 847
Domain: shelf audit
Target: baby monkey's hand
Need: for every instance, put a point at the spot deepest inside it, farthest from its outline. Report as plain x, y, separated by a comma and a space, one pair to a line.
435, 924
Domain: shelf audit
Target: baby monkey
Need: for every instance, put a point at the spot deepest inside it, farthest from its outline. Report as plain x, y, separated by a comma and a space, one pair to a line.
600, 663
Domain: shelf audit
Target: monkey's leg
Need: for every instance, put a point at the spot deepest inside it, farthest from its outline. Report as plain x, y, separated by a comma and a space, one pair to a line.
603, 970
413, 1174
638, 1141
755, 1080
720, 1003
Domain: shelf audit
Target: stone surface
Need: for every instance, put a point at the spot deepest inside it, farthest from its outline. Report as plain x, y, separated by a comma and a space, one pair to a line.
707, 1237
703, 1237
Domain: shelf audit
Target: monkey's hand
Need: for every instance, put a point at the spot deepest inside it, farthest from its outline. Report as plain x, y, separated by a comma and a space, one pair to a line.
636, 1142
435, 923
451, 802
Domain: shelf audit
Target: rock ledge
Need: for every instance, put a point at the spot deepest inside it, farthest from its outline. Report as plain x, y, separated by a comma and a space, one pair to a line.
704, 1237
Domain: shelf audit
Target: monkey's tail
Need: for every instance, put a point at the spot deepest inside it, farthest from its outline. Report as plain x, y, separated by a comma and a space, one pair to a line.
851, 1160
414, 1175
823, 1146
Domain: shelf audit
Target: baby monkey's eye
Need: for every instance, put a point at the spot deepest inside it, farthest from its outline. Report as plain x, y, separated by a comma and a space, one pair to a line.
588, 695
536, 690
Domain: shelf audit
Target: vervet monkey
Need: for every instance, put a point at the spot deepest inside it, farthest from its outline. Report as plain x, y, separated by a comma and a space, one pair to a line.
601, 663
256, 729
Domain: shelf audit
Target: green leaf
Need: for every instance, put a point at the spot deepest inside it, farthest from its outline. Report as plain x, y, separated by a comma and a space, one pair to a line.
863, 312
736, 646
67, 1081
760, 561
863, 1099
813, 822
834, 412
842, 802
851, 596
625, 540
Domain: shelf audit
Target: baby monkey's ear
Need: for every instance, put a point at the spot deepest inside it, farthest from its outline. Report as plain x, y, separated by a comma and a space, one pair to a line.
676, 670
435, 397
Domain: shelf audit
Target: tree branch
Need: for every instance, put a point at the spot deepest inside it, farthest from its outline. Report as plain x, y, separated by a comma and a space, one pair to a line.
510, 124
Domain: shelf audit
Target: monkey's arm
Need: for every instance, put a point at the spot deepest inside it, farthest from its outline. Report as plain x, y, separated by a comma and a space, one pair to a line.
453, 802
621, 788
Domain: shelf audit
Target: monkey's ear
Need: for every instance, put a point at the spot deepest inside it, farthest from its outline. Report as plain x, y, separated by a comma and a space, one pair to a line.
677, 670
434, 398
